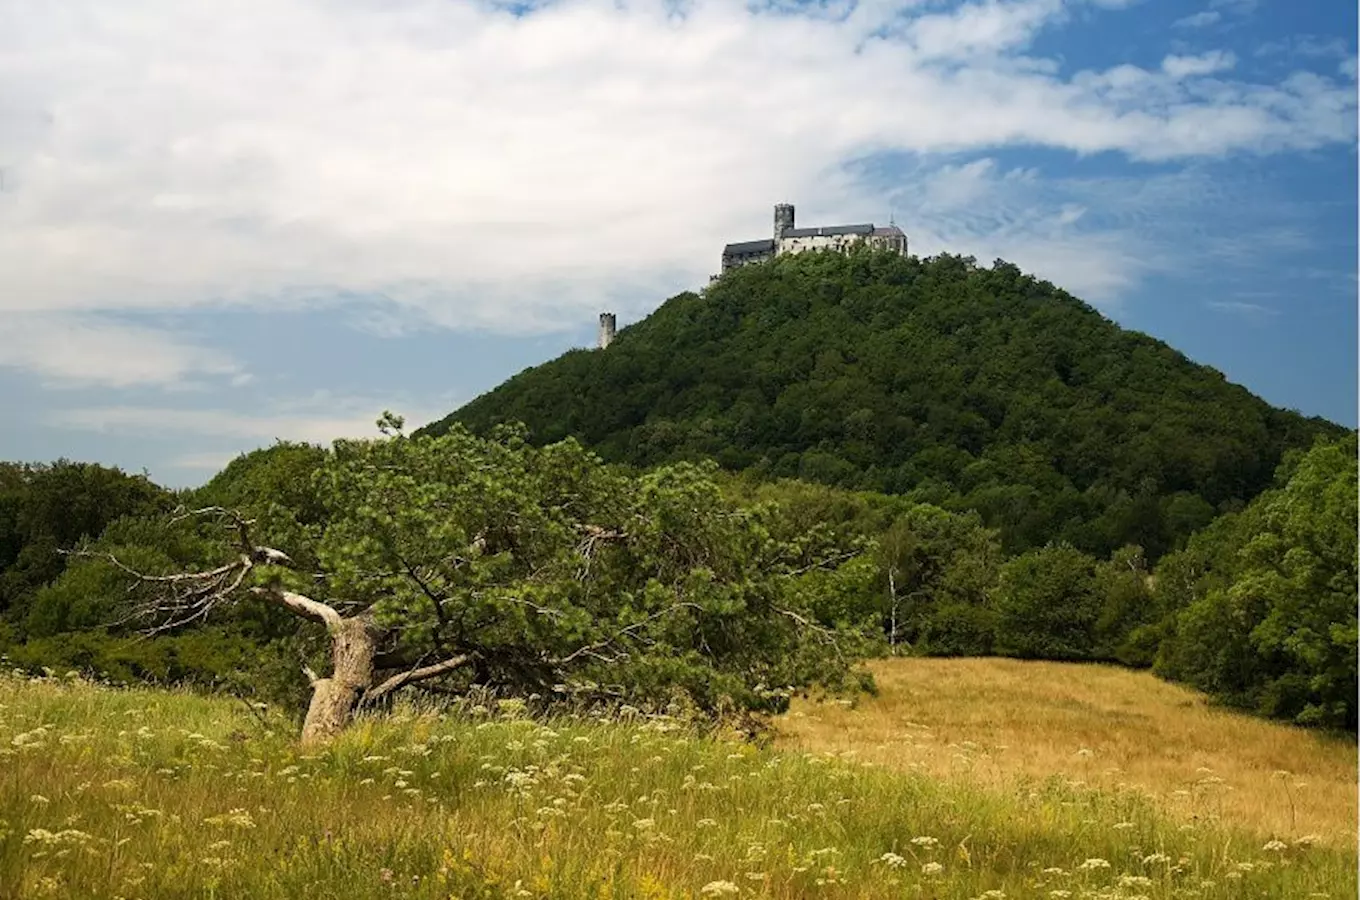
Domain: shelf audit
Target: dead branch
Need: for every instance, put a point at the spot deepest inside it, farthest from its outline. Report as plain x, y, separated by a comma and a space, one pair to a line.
826, 635
424, 673
299, 605
594, 649
825, 563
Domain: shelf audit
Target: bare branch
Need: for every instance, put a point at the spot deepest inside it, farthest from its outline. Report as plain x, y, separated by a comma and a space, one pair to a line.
234, 520
299, 605
626, 631
825, 563
827, 635
424, 673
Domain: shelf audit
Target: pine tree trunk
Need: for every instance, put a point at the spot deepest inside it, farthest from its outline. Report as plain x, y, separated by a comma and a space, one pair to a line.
353, 645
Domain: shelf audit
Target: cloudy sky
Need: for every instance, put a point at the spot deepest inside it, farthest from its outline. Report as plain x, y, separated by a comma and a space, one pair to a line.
225, 223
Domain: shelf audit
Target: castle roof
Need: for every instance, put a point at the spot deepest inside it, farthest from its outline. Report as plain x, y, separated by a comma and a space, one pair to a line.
829, 231
749, 247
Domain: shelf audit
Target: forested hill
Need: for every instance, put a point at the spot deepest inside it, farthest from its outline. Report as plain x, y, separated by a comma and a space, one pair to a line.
961, 385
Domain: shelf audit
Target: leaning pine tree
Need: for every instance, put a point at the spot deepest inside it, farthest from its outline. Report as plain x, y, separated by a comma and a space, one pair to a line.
497, 563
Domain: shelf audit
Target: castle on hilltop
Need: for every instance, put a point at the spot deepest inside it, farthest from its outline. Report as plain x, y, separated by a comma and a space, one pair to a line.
788, 239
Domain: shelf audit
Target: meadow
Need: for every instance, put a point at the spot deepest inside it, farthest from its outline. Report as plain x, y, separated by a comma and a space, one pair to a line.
139, 793
998, 723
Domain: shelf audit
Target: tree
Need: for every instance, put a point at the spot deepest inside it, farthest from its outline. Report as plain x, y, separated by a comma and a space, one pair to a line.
50, 507
1266, 598
1046, 604
931, 560
492, 561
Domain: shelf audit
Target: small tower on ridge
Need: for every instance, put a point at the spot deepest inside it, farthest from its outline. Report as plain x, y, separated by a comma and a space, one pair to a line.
783, 220
607, 324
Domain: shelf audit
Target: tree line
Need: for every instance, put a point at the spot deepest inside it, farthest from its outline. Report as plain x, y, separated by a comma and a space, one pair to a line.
440, 562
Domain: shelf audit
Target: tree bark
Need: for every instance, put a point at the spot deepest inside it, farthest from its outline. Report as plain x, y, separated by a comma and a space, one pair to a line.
354, 642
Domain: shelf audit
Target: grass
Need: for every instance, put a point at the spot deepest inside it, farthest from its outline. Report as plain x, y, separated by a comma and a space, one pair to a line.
148, 794
998, 723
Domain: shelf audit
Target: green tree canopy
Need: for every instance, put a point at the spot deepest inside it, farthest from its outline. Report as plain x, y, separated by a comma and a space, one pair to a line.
962, 386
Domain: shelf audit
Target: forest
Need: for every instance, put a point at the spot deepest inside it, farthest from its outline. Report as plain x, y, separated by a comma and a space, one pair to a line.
813, 462
966, 387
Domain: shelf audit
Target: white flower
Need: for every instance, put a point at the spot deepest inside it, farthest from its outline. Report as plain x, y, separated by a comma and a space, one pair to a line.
1092, 864
924, 841
1274, 846
892, 860
719, 889
932, 868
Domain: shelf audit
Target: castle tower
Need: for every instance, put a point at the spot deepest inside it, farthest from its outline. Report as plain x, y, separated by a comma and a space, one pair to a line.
607, 324
783, 220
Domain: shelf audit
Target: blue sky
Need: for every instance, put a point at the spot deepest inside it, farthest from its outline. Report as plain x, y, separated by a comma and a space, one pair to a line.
221, 226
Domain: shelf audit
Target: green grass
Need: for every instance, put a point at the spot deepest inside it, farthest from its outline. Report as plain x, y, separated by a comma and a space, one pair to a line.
149, 794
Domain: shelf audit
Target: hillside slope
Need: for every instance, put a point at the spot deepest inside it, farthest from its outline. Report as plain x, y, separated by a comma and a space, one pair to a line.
997, 723
972, 387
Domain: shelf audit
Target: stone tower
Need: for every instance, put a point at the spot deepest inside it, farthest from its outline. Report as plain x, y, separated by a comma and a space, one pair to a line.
783, 220
607, 323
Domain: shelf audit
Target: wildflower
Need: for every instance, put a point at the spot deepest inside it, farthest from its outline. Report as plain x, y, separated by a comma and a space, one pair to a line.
932, 868
1122, 826
39, 799
993, 894
1059, 894
1134, 881
645, 824
719, 889
237, 817
1093, 864
705, 823
892, 860
1275, 846
1156, 858
1307, 840
925, 841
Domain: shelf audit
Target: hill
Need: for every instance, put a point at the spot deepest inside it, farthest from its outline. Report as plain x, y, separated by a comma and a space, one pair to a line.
142, 793
959, 385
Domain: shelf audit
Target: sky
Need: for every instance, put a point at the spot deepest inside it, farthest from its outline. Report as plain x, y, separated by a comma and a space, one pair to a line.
227, 224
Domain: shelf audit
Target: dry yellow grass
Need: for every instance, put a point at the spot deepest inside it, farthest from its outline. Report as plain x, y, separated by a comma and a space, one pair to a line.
998, 722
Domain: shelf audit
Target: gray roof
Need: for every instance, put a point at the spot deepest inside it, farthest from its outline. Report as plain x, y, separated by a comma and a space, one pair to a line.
829, 231
749, 247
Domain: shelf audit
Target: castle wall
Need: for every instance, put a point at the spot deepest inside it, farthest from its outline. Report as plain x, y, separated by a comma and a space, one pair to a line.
837, 242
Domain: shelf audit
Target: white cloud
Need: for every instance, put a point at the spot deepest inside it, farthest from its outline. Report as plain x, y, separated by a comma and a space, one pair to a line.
977, 28
78, 350
474, 169
1198, 20
318, 419
1179, 67
1242, 308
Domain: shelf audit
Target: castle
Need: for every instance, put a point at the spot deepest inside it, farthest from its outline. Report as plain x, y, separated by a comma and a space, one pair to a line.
788, 239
